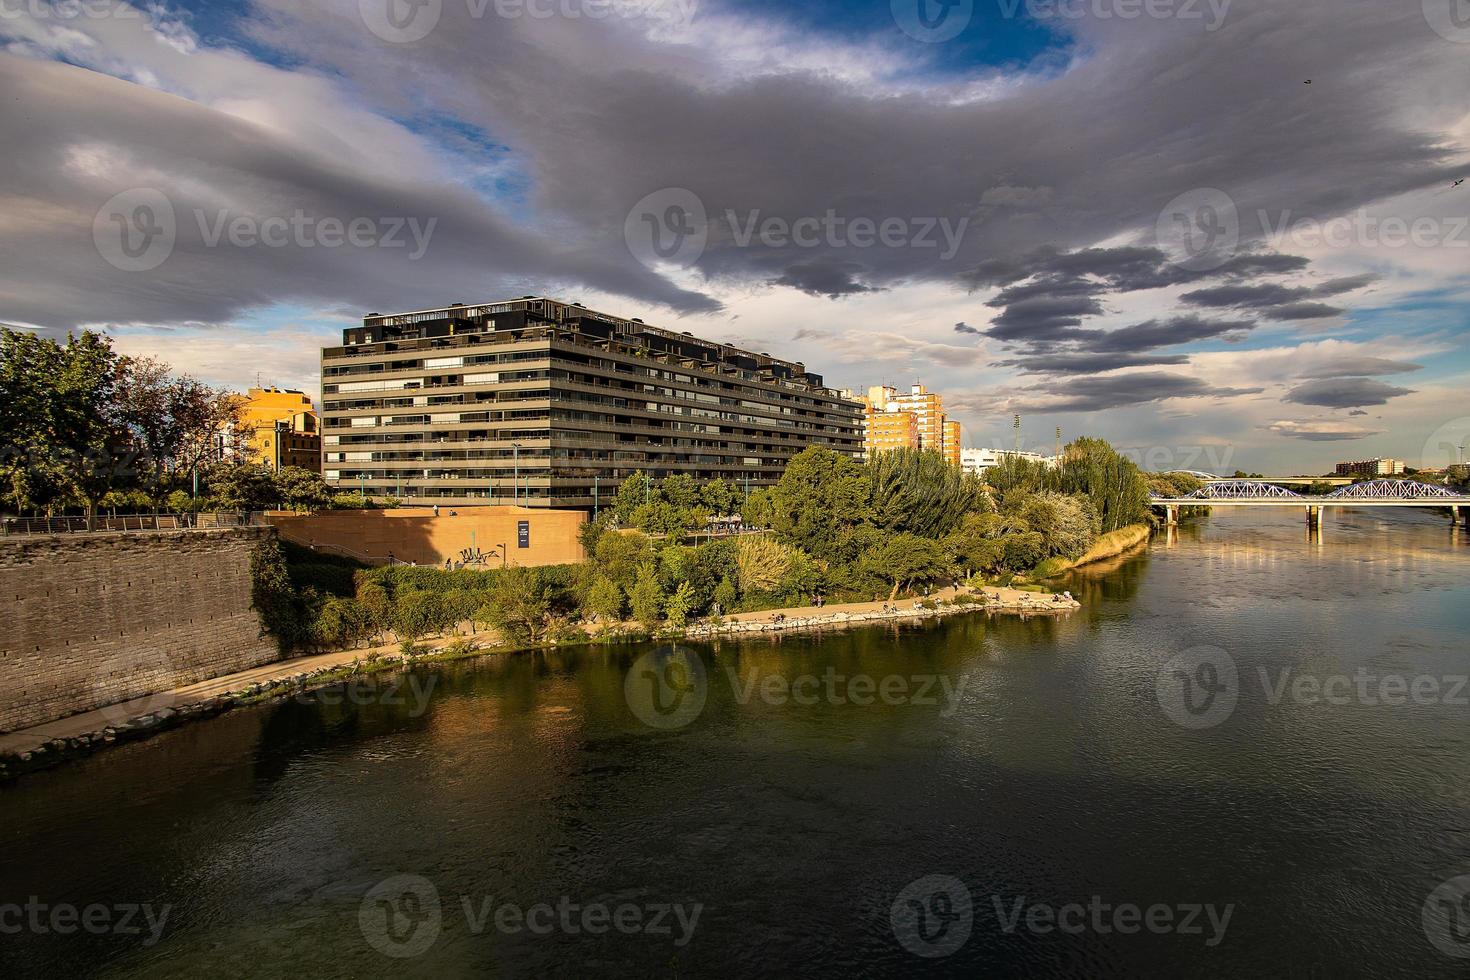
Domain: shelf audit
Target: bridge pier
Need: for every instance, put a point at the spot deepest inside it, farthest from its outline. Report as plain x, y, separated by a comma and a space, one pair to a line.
1171, 515
1314, 516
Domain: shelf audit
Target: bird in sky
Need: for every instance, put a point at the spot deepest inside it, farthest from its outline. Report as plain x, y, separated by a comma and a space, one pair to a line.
1458, 182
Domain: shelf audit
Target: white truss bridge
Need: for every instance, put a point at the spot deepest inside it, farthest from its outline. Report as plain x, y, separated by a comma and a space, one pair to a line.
1374, 493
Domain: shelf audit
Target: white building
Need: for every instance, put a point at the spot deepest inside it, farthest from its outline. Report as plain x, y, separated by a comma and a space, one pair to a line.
977, 461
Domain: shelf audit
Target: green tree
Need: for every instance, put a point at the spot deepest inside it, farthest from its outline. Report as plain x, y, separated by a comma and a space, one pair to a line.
919, 492
620, 554
605, 600
175, 421
977, 545
633, 492
725, 597
591, 532
300, 489
1068, 525
680, 490
719, 497
1114, 484
905, 560
821, 497
520, 605
679, 605
1024, 551
763, 562
242, 485
647, 597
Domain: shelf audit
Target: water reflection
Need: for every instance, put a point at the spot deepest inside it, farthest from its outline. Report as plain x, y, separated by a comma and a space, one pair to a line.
1050, 770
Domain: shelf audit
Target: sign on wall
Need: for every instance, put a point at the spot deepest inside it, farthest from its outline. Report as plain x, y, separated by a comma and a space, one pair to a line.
523, 534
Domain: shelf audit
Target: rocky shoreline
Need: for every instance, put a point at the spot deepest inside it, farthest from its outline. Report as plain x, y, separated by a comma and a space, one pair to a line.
992, 601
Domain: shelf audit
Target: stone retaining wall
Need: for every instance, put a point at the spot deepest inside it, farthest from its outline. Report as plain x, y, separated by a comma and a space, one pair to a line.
94, 619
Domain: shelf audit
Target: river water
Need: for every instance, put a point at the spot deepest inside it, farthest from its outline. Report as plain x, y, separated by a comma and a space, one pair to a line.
1248, 754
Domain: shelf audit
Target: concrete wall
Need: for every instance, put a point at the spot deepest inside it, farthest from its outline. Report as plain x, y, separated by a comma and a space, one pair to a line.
414, 534
93, 619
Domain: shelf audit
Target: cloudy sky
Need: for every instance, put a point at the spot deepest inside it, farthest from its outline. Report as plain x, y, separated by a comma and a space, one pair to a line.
1221, 233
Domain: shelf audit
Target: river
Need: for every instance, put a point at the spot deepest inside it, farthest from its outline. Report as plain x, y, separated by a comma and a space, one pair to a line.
1248, 754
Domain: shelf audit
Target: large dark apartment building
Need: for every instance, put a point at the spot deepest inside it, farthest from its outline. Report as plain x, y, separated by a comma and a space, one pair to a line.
554, 405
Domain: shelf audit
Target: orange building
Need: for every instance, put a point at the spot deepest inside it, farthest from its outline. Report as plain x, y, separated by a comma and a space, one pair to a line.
913, 419
951, 448
886, 431
281, 429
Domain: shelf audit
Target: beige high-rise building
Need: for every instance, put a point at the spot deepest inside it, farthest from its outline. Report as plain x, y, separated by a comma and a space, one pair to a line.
912, 419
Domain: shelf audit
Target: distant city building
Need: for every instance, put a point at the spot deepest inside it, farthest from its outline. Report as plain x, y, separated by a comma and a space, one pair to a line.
951, 448
550, 404
1378, 466
913, 419
886, 431
281, 429
977, 461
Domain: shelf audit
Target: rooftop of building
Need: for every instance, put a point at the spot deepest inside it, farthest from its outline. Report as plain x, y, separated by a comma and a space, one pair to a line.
531, 312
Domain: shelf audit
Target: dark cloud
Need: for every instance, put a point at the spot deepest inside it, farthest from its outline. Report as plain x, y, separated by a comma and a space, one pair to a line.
1165, 333
1349, 365
1044, 318
1277, 301
1096, 394
599, 133
1357, 411
824, 277
963, 327
1302, 311
1089, 363
1245, 294
1344, 392
1345, 284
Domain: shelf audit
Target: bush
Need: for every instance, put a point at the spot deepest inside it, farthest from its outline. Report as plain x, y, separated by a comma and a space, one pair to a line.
274, 597
340, 623
416, 614
1051, 567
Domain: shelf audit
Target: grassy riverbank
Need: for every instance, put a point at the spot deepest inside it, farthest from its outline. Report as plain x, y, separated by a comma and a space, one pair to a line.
1110, 545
